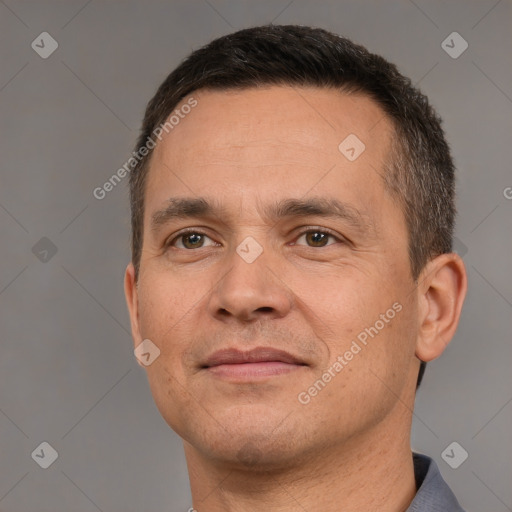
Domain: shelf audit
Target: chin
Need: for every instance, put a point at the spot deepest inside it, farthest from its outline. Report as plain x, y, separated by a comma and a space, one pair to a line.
249, 444
255, 453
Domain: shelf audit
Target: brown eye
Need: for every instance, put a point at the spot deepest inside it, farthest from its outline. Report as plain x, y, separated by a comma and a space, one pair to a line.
189, 240
193, 240
317, 237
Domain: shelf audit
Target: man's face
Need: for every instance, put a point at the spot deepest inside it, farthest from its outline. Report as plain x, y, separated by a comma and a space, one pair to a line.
322, 288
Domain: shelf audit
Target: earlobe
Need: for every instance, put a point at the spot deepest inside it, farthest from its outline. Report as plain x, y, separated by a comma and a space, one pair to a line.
131, 295
441, 294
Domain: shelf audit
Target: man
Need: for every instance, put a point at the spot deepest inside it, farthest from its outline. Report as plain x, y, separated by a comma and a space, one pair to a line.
292, 218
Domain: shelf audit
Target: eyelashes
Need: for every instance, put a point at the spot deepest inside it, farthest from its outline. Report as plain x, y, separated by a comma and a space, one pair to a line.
325, 235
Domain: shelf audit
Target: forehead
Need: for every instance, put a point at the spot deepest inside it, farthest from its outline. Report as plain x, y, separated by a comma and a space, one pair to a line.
263, 142
276, 116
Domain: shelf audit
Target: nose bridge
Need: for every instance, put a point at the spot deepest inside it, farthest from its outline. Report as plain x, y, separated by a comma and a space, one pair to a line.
250, 287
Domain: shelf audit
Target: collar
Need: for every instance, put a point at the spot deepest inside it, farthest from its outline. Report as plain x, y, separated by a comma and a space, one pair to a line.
433, 493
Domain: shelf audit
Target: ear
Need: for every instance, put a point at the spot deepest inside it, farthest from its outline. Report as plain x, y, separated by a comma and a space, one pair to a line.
132, 301
441, 292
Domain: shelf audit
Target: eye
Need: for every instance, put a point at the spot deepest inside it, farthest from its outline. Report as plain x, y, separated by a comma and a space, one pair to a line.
192, 239
318, 237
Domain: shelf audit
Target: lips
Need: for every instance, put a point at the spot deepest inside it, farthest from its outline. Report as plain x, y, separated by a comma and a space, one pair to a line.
261, 362
257, 355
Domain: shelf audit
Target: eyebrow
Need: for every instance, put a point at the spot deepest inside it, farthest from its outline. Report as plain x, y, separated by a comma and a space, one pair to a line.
180, 208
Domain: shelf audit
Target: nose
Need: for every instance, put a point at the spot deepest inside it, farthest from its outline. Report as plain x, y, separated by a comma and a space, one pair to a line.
250, 291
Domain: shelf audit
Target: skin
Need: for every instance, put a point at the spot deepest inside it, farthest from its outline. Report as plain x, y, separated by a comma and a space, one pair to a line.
250, 444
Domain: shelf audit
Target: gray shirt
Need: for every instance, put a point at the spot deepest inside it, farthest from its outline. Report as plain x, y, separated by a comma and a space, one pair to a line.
433, 493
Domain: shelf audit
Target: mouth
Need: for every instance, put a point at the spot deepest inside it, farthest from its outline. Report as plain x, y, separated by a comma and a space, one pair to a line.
261, 362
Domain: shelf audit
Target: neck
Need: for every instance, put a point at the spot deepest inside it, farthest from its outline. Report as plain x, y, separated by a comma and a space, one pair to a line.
373, 471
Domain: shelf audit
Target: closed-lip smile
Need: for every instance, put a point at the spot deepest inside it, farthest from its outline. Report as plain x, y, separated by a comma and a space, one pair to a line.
235, 364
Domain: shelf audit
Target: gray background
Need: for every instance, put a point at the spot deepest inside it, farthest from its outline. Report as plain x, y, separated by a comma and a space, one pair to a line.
68, 122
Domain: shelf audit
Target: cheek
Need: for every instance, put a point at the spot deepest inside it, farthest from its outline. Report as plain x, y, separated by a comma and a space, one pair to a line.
349, 303
163, 303
390, 348
163, 309
162, 319
169, 313
154, 310
369, 316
